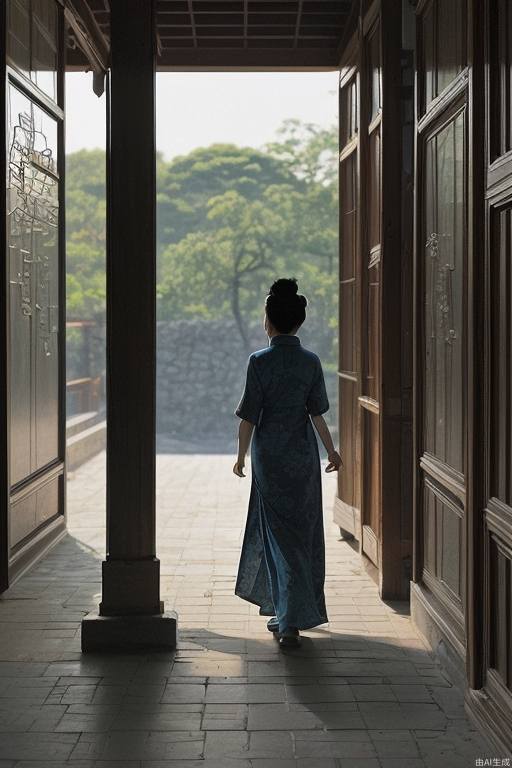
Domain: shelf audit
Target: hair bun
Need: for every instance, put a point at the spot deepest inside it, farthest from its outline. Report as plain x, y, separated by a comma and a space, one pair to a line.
284, 288
285, 308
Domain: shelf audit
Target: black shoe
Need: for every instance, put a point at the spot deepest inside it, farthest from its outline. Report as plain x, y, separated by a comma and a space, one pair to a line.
290, 638
273, 625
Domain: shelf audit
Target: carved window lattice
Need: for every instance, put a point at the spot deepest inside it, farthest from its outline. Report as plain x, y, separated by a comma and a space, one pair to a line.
32, 189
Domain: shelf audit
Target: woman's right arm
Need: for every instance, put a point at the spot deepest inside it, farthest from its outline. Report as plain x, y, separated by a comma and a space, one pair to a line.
244, 438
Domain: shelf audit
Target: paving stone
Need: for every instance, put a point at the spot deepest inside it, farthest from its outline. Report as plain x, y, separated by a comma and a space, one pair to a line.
240, 744
317, 693
223, 717
37, 746
221, 763
415, 693
264, 717
245, 694
315, 762
183, 692
359, 762
373, 692
389, 715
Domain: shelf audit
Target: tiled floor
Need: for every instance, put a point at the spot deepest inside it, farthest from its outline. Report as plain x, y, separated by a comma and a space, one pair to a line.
362, 692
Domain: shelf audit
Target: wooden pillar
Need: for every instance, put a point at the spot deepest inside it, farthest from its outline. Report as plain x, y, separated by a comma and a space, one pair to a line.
131, 613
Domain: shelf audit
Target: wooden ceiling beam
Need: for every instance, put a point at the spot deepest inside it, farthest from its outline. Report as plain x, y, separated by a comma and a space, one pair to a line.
297, 24
192, 21
247, 59
87, 33
196, 34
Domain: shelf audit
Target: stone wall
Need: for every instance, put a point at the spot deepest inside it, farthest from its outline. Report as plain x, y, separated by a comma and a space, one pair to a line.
200, 377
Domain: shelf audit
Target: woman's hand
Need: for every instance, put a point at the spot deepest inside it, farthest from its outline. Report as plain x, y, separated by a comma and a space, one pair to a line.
335, 462
238, 469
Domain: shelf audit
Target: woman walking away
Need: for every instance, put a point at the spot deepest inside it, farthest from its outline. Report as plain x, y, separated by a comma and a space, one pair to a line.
282, 564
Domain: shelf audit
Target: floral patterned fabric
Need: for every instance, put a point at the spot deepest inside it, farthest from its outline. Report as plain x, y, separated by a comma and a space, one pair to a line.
282, 564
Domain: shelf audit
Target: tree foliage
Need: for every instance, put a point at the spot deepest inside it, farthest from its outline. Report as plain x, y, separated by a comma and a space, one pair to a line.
229, 221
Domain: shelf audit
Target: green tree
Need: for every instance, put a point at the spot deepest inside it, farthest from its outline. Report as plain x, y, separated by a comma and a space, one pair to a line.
85, 233
230, 220
186, 184
212, 273
309, 151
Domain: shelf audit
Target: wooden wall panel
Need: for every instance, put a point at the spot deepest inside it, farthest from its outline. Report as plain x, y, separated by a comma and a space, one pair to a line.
500, 384
441, 277
442, 31
372, 506
500, 630
33, 509
500, 82
443, 555
348, 502
493, 665
375, 274
347, 486
444, 280
498, 508
35, 279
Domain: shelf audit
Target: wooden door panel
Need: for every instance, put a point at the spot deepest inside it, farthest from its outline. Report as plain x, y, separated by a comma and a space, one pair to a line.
443, 353
443, 277
347, 486
34, 233
33, 242
371, 295
442, 53
374, 293
496, 664
498, 513
347, 504
500, 81
500, 426
372, 327
443, 546
441, 306
371, 506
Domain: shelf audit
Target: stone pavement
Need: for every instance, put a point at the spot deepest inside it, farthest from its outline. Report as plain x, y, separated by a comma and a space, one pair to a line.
362, 692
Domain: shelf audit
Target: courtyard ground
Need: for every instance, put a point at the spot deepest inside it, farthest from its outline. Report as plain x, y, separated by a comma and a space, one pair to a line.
362, 692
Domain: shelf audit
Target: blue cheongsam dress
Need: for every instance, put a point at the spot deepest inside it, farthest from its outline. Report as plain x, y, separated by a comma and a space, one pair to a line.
282, 564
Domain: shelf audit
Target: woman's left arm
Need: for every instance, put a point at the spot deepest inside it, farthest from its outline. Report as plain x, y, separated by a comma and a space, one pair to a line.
244, 438
325, 436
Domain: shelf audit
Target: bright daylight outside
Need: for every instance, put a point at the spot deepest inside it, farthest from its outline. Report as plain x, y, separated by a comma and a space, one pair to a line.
247, 192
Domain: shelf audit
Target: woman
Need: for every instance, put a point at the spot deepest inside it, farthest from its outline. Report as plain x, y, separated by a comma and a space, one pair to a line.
282, 565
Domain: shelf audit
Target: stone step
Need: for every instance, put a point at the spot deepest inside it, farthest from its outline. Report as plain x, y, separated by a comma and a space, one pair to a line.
82, 421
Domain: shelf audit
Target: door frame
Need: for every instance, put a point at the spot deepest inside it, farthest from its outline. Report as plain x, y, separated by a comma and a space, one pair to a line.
391, 545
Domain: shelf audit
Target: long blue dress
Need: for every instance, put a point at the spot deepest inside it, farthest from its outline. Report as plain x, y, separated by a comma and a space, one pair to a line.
282, 564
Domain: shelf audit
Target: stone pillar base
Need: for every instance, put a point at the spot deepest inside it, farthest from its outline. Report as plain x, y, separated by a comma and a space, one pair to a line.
129, 633
131, 587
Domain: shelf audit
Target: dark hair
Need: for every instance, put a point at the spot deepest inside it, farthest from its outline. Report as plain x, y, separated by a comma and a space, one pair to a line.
286, 309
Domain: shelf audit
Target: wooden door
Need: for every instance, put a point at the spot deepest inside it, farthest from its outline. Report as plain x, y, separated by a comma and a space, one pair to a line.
347, 504
442, 172
491, 638
34, 230
371, 254
373, 283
